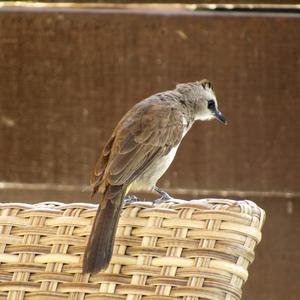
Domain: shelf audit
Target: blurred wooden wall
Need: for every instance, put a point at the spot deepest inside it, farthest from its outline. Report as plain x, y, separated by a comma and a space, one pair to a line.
67, 76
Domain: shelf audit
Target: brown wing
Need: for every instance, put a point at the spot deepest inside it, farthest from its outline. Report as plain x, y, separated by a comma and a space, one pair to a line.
149, 131
100, 166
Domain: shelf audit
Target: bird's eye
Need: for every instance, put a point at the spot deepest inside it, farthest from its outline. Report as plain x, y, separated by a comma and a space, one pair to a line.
211, 104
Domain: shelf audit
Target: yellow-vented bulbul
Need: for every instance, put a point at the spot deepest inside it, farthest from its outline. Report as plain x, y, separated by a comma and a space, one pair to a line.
138, 153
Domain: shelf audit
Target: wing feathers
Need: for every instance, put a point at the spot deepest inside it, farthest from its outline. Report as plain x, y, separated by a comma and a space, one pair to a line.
143, 135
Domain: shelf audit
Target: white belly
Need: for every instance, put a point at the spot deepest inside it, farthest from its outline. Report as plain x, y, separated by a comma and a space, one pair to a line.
147, 181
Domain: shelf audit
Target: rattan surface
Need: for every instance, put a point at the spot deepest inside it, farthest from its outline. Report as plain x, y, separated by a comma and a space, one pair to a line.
189, 250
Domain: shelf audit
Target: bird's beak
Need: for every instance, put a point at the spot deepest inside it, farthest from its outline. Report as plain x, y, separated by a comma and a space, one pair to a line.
218, 115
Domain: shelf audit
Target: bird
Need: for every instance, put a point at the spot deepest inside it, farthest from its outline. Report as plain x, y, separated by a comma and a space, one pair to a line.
139, 151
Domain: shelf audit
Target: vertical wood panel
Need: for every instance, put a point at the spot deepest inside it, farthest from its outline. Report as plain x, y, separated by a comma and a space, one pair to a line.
67, 77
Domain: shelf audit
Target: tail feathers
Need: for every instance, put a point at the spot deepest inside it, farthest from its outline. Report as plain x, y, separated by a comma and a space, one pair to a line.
99, 249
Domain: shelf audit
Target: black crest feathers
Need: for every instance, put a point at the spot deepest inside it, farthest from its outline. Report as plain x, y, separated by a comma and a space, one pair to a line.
206, 84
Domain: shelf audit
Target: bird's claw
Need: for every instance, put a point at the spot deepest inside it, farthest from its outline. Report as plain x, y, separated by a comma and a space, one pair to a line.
162, 200
130, 199
165, 197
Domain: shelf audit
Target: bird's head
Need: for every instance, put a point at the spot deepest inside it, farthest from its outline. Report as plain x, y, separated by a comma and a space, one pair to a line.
200, 98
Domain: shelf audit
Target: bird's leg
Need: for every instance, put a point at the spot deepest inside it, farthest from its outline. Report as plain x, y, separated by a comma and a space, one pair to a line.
164, 196
130, 199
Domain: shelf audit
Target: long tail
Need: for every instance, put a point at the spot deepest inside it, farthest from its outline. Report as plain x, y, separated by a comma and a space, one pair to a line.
99, 249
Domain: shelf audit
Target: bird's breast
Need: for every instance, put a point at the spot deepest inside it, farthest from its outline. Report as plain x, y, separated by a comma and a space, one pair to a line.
152, 174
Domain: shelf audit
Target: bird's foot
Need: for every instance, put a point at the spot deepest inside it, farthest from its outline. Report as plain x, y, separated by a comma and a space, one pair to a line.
130, 199
165, 197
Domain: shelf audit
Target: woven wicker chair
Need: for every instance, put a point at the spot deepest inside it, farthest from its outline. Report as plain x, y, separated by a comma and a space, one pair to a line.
187, 250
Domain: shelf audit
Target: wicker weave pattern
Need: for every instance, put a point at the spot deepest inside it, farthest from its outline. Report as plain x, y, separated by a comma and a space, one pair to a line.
187, 250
